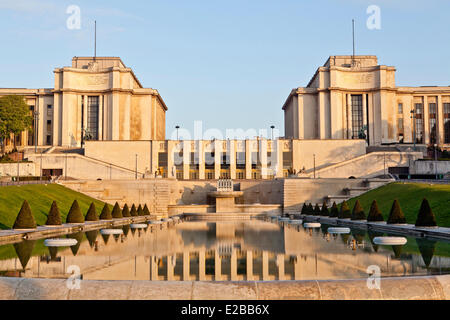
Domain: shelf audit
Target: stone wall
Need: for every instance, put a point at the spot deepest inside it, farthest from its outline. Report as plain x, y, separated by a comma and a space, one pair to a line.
24, 168
430, 167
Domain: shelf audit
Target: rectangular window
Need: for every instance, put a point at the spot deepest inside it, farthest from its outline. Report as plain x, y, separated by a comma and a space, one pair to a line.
178, 158
49, 126
287, 160
209, 160
400, 108
49, 110
446, 122
194, 161
240, 160
49, 140
419, 122
256, 161
357, 115
92, 118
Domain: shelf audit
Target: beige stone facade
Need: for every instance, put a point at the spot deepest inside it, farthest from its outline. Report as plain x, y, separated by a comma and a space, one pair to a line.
350, 95
94, 99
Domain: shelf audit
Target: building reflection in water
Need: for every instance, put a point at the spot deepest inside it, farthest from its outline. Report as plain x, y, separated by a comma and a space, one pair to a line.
221, 251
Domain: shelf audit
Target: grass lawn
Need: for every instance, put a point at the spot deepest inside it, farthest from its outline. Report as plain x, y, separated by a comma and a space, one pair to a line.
40, 198
410, 196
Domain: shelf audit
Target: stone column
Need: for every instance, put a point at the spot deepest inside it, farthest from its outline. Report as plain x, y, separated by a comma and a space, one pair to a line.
233, 266
170, 160
85, 111
364, 110
426, 121
217, 158
297, 269
217, 266
186, 159
42, 109
265, 266
201, 266
126, 119
280, 265
201, 159
300, 118
170, 268
249, 257
114, 109
263, 157
248, 159
186, 263
153, 268
321, 116
100, 117
440, 121
279, 145
232, 156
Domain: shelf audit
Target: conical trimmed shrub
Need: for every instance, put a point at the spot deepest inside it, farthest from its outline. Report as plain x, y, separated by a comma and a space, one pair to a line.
358, 212
77, 236
91, 215
140, 211
317, 210
345, 212
426, 248
133, 211
396, 215
54, 216
310, 209
74, 215
126, 211
24, 250
106, 213
25, 218
324, 212
334, 212
92, 237
304, 209
146, 211
374, 213
425, 218
117, 212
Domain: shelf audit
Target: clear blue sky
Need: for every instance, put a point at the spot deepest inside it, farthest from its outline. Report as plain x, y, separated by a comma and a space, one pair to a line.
229, 63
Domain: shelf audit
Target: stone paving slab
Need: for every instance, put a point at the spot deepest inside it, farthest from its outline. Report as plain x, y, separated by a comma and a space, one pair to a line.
399, 288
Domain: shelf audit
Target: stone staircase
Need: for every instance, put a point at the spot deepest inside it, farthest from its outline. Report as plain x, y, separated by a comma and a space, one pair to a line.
160, 197
348, 193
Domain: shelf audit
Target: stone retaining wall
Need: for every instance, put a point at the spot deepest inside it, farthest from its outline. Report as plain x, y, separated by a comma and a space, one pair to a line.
414, 288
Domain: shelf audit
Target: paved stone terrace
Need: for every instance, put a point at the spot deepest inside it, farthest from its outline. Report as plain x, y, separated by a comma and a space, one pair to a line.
407, 288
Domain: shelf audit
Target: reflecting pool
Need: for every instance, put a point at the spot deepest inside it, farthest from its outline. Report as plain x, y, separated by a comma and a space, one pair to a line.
224, 250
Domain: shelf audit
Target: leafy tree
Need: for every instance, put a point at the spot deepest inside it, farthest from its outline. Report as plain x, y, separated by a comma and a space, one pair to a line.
15, 117
25, 218
117, 212
425, 217
345, 212
374, 213
74, 215
54, 216
396, 215
358, 212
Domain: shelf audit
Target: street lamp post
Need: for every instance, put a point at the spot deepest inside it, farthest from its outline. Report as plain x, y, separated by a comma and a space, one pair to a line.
177, 127
36, 119
314, 163
435, 161
413, 117
135, 176
272, 127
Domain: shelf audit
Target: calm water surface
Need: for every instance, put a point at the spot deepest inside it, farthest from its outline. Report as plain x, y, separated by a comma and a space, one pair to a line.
224, 250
